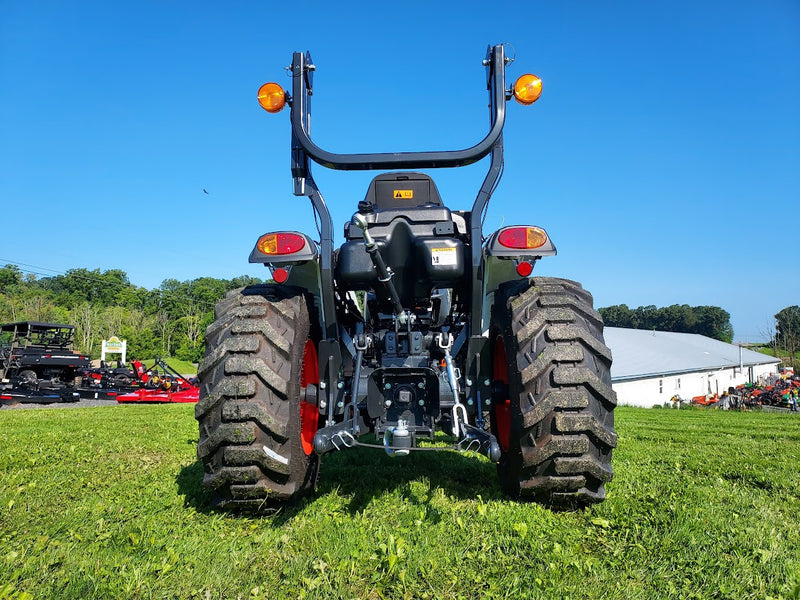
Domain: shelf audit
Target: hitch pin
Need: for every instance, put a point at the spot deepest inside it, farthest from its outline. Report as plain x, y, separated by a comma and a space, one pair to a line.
361, 344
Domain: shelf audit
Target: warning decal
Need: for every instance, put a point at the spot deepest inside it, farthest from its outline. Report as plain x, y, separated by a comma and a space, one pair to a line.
444, 256
404, 194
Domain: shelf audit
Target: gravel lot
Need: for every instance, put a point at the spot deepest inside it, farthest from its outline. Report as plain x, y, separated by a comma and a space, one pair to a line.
78, 404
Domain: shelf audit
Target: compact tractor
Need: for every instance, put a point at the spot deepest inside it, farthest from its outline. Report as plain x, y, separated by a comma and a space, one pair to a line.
416, 323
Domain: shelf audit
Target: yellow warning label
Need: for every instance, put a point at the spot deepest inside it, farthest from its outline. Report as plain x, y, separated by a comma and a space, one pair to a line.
444, 256
404, 194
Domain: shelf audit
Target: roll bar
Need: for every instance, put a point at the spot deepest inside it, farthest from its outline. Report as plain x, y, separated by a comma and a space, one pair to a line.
302, 71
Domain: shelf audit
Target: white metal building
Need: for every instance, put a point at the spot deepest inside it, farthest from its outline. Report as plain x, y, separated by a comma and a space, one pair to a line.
652, 366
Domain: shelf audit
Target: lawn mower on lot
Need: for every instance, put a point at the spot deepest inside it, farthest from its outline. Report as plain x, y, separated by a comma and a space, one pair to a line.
416, 323
160, 384
106, 382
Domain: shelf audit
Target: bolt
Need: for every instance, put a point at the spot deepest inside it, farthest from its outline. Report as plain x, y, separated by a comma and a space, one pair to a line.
422, 402
340, 404
322, 404
469, 381
488, 402
387, 386
469, 401
387, 403
421, 385
322, 385
486, 382
340, 385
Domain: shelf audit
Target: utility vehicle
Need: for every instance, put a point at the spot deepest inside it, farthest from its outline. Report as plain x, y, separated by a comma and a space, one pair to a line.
415, 323
37, 362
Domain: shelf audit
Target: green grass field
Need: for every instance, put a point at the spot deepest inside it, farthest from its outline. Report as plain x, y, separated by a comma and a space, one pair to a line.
106, 503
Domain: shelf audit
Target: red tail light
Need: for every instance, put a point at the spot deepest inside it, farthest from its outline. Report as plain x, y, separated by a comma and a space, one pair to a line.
524, 268
280, 243
280, 275
522, 238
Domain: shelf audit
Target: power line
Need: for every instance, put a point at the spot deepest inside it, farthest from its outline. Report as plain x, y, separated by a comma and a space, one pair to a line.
64, 273
164, 294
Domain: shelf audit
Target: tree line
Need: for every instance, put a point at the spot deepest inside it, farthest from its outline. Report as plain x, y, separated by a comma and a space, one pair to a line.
167, 321
171, 320
710, 321
786, 338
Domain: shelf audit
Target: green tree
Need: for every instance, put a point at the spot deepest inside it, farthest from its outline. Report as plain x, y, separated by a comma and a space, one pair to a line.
10, 279
618, 315
205, 291
171, 293
645, 317
80, 285
142, 341
711, 321
714, 322
787, 323
787, 330
243, 281
170, 319
677, 317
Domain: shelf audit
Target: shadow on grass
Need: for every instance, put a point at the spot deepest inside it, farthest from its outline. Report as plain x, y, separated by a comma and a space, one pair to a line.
190, 485
363, 475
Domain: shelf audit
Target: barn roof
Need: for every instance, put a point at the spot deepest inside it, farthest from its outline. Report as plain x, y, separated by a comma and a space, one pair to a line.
640, 353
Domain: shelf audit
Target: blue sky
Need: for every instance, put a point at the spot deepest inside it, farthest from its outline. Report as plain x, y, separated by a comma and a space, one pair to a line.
663, 157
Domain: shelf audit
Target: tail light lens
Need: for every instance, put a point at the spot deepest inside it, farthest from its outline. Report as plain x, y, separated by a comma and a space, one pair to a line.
280, 275
522, 238
280, 243
524, 268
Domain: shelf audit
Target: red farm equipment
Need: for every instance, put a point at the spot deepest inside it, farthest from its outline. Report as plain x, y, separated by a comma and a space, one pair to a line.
161, 384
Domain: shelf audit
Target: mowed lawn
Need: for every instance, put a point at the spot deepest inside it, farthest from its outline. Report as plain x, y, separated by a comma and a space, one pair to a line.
106, 503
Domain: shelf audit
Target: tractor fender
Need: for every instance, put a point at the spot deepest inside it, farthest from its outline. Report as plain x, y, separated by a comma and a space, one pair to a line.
296, 263
501, 259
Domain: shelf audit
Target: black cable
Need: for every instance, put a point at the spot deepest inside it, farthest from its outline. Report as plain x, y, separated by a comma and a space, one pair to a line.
54, 273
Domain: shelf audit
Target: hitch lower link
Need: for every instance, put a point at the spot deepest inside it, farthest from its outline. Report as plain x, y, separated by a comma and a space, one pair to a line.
397, 440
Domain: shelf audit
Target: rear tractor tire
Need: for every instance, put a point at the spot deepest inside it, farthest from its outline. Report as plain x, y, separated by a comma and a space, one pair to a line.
553, 406
256, 429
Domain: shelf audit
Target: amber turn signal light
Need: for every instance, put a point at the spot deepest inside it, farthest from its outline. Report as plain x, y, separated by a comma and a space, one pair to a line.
522, 238
271, 97
527, 89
